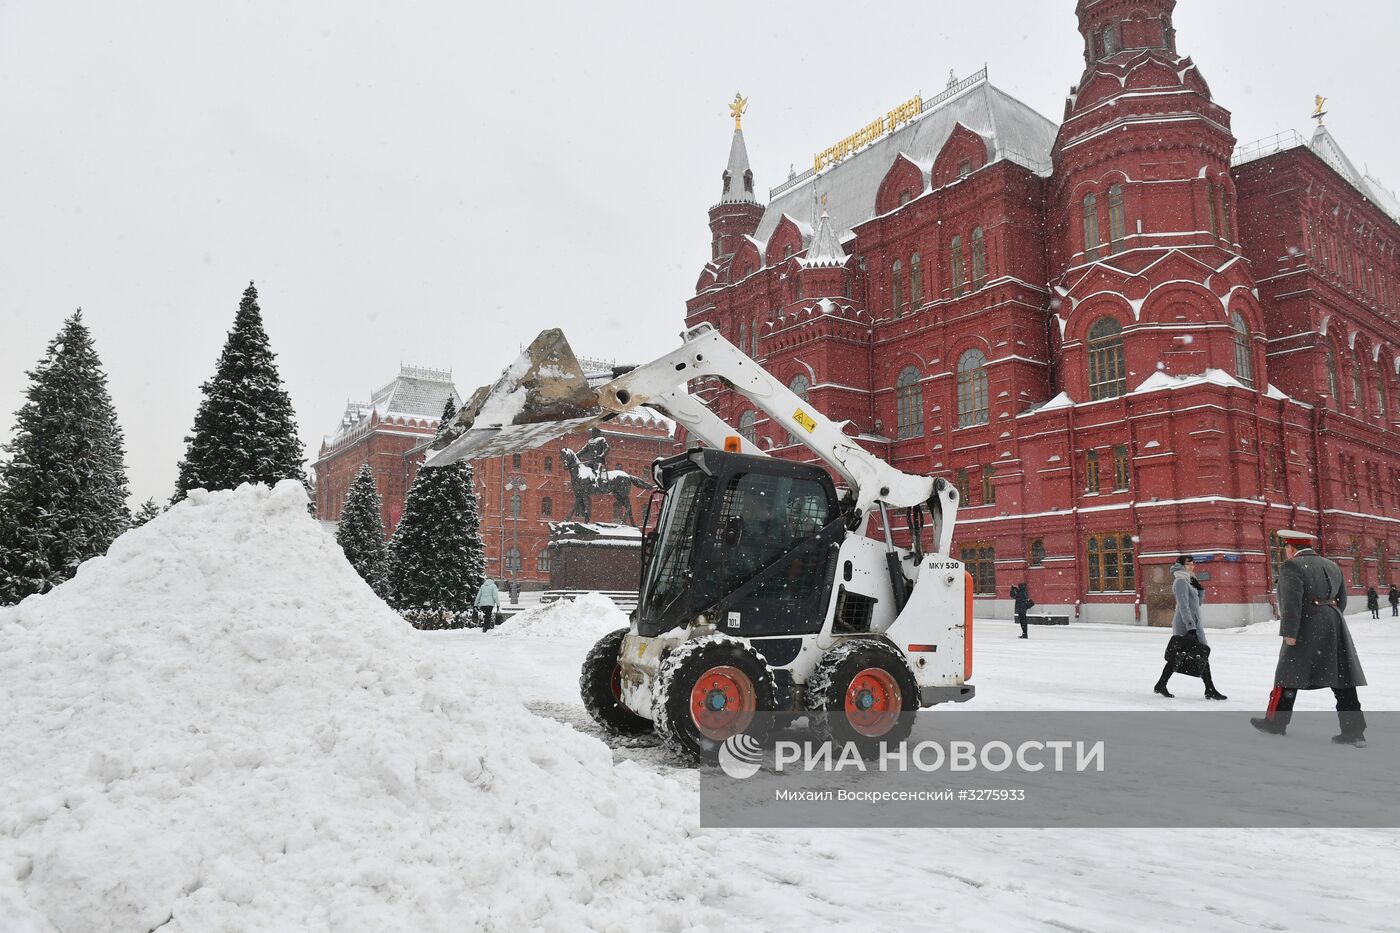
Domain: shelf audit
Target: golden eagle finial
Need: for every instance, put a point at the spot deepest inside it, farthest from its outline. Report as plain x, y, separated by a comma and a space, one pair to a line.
737, 108
1318, 112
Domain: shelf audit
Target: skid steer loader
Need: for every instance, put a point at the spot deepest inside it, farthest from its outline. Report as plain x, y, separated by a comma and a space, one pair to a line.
761, 590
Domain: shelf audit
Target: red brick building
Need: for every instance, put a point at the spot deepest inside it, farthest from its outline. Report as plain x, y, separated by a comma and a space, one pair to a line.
1122, 337
399, 417
518, 495
515, 521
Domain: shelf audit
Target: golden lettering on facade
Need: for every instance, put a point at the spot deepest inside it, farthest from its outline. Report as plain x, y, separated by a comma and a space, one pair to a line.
869, 133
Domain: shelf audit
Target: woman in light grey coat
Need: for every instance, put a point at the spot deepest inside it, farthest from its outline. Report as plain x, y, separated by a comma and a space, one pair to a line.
1187, 651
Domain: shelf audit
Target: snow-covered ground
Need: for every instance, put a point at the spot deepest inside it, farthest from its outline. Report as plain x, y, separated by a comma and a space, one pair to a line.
1053, 880
219, 727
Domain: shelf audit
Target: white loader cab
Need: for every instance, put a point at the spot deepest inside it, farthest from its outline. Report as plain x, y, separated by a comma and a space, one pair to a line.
760, 590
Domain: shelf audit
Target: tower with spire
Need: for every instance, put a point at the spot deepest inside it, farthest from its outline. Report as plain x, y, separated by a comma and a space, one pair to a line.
1143, 238
738, 212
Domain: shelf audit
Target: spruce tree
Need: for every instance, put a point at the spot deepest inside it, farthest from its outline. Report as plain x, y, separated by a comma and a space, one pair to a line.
245, 430
63, 490
361, 531
148, 511
436, 559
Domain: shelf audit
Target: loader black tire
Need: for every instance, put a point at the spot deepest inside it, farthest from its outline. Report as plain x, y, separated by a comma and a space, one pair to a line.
734, 672
862, 692
600, 686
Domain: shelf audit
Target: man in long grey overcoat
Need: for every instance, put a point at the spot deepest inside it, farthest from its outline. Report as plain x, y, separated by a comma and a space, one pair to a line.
1317, 648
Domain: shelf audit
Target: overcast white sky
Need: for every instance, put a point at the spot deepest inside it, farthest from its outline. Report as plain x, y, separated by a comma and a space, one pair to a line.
434, 183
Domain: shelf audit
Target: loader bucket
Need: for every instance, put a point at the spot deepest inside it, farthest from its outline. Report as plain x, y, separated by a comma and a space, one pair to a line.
544, 394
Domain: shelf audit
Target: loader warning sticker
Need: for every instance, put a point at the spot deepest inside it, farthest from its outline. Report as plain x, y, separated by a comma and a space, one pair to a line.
804, 419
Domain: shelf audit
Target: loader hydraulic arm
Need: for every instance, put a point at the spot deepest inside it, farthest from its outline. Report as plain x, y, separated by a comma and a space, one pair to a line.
705, 352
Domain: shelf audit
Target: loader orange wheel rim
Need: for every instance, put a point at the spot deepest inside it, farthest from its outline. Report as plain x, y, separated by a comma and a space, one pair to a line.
873, 702
722, 702
615, 682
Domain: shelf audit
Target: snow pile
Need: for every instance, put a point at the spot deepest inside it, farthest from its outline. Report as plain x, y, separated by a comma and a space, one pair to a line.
586, 618
220, 726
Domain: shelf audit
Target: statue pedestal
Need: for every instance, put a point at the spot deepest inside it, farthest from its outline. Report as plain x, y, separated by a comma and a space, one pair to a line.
594, 557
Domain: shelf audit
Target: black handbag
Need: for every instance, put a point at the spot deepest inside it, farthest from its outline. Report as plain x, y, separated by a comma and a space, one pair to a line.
1187, 655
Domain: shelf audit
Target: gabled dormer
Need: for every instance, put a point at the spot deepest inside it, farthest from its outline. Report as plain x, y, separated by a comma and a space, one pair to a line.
904, 182
789, 238
964, 153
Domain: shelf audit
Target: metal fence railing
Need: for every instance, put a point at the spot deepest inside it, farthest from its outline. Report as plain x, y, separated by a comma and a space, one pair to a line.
1279, 142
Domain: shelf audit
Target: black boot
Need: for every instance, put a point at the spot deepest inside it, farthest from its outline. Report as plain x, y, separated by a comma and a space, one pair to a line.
1211, 692
1161, 685
1265, 724
1355, 739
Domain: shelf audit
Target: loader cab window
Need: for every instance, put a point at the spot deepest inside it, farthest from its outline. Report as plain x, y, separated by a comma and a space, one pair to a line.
763, 520
670, 567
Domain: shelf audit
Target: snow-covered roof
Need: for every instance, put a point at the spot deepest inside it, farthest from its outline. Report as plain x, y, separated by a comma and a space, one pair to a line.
737, 166
416, 394
825, 251
1015, 132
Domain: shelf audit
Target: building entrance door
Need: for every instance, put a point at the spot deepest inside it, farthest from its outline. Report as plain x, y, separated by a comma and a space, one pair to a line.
1161, 604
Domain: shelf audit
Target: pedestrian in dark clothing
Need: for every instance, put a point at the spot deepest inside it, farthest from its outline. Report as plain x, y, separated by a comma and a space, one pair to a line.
1187, 651
1021, 594
1317, 648
1373, 602
1394, 600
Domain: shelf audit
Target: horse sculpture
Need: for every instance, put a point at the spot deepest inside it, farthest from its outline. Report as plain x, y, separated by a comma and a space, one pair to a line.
587, 482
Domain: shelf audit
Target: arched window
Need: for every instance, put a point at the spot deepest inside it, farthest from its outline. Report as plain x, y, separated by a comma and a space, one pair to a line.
972, 389
1227, 223
546, 506
1117, 222
916, 281
1334, 389
513, 560
1358, 388
1244, 353
743, 334
515, 505
1380, 395
1110, 39
748, 181
979, 259
1091, 227
542, 561
1108, 377
1091, 470
753, 336
1210, 207
798, 386
896, 287
909, 400
748, 427
727, 179
955, 263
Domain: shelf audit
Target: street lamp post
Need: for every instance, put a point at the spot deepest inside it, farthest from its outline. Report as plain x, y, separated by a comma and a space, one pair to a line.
516, 485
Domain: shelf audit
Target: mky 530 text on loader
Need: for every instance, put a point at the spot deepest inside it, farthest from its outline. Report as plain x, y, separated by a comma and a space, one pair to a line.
760, 588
